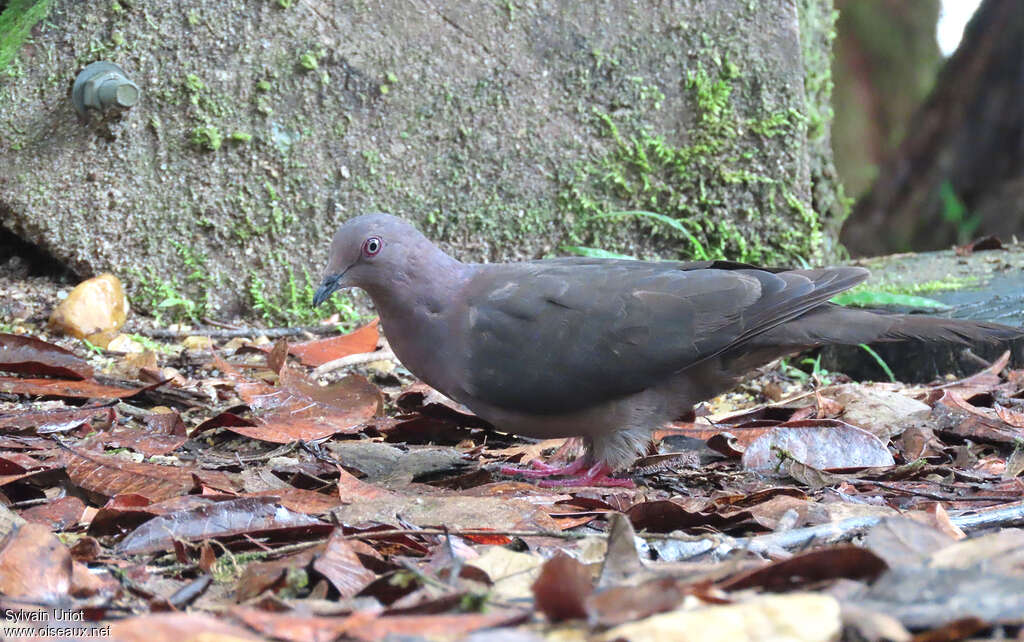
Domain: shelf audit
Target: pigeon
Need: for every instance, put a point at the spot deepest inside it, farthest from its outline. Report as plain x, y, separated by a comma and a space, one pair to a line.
603, 349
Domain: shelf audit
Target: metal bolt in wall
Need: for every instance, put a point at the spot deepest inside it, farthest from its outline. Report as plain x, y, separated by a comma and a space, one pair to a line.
101, 86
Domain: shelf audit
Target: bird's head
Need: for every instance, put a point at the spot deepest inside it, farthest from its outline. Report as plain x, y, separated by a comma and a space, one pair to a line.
372, 252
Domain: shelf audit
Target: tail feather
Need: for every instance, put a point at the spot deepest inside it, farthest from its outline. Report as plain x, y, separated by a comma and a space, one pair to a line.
908, 327
832, 324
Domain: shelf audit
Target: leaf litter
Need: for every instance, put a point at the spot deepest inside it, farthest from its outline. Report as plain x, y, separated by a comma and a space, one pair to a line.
255, 498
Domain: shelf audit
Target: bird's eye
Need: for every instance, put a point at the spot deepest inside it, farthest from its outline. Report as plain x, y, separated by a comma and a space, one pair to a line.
371, 246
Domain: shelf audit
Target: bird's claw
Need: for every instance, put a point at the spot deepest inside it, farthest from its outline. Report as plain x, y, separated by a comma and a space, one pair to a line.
596, 475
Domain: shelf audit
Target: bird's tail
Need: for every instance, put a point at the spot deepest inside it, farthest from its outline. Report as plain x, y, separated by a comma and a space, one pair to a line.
833, 324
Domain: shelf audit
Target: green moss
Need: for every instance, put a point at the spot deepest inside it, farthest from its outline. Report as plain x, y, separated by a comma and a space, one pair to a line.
190, 298
207, 137
926, 287
642, 171
293, 304
817, 64
308, 61
194, 85
16, 22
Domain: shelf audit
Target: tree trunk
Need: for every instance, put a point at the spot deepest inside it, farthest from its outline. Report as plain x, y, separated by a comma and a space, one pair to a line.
960, 170
886, 60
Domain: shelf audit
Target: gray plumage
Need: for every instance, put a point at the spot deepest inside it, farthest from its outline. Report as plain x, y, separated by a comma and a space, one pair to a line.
608, 350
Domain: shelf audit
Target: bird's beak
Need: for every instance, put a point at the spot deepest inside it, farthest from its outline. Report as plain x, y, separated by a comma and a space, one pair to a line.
327, 288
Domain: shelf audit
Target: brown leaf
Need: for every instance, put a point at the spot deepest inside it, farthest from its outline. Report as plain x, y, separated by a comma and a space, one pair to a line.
665, 516
57, 515
827, 407
918, 442
340, 564
421, 398
984, 243
269, 575
179, 627
902, 541
956, 415
244, 516
1013, 417
302, 410
739, 435
164, 433
34, 565
121, 513
86, 549
840, 561
109, 476
621, 604
33, 356
819, 443
298, 627
302, 500
981, 381
59, 420
562, 588
433, 626
17, 462
319, 352
85, 389
452, 511
277, 358
877, 408
939, 518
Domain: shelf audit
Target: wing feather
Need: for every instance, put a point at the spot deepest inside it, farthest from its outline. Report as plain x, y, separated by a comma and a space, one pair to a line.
554, 336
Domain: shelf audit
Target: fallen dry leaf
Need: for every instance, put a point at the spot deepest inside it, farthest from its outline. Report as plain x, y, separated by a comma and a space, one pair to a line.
109, 476
340, 564
302, 410
319, 352
19, 353
34, 565
819, 443
250, 516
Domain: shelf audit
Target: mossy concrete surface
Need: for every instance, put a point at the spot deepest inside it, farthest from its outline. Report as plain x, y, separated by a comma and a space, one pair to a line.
501, 128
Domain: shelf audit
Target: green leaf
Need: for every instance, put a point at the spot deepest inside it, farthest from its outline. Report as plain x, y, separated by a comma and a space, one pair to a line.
876, 298
676, 224
595, 252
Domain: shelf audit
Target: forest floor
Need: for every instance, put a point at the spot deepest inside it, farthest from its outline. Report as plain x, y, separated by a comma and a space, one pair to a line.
223, 483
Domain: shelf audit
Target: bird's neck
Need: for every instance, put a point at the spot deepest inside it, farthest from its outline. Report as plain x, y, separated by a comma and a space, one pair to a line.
414, 312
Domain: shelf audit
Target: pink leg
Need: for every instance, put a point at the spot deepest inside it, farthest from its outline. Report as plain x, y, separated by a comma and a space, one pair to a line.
540, 469
596, 475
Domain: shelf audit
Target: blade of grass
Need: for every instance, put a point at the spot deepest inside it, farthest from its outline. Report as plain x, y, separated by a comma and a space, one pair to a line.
676, 224
880, 361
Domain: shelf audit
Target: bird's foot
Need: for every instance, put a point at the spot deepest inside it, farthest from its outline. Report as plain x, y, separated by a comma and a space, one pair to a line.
539, 469
596, 475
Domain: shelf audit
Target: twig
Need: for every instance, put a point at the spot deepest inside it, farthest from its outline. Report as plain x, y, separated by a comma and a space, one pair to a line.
1006, 515
943, 497
220, 324
845, 529
224, 333
353, 360
470, 532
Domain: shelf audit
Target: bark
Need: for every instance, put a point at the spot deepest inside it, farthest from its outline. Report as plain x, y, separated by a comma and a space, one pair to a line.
959, 173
